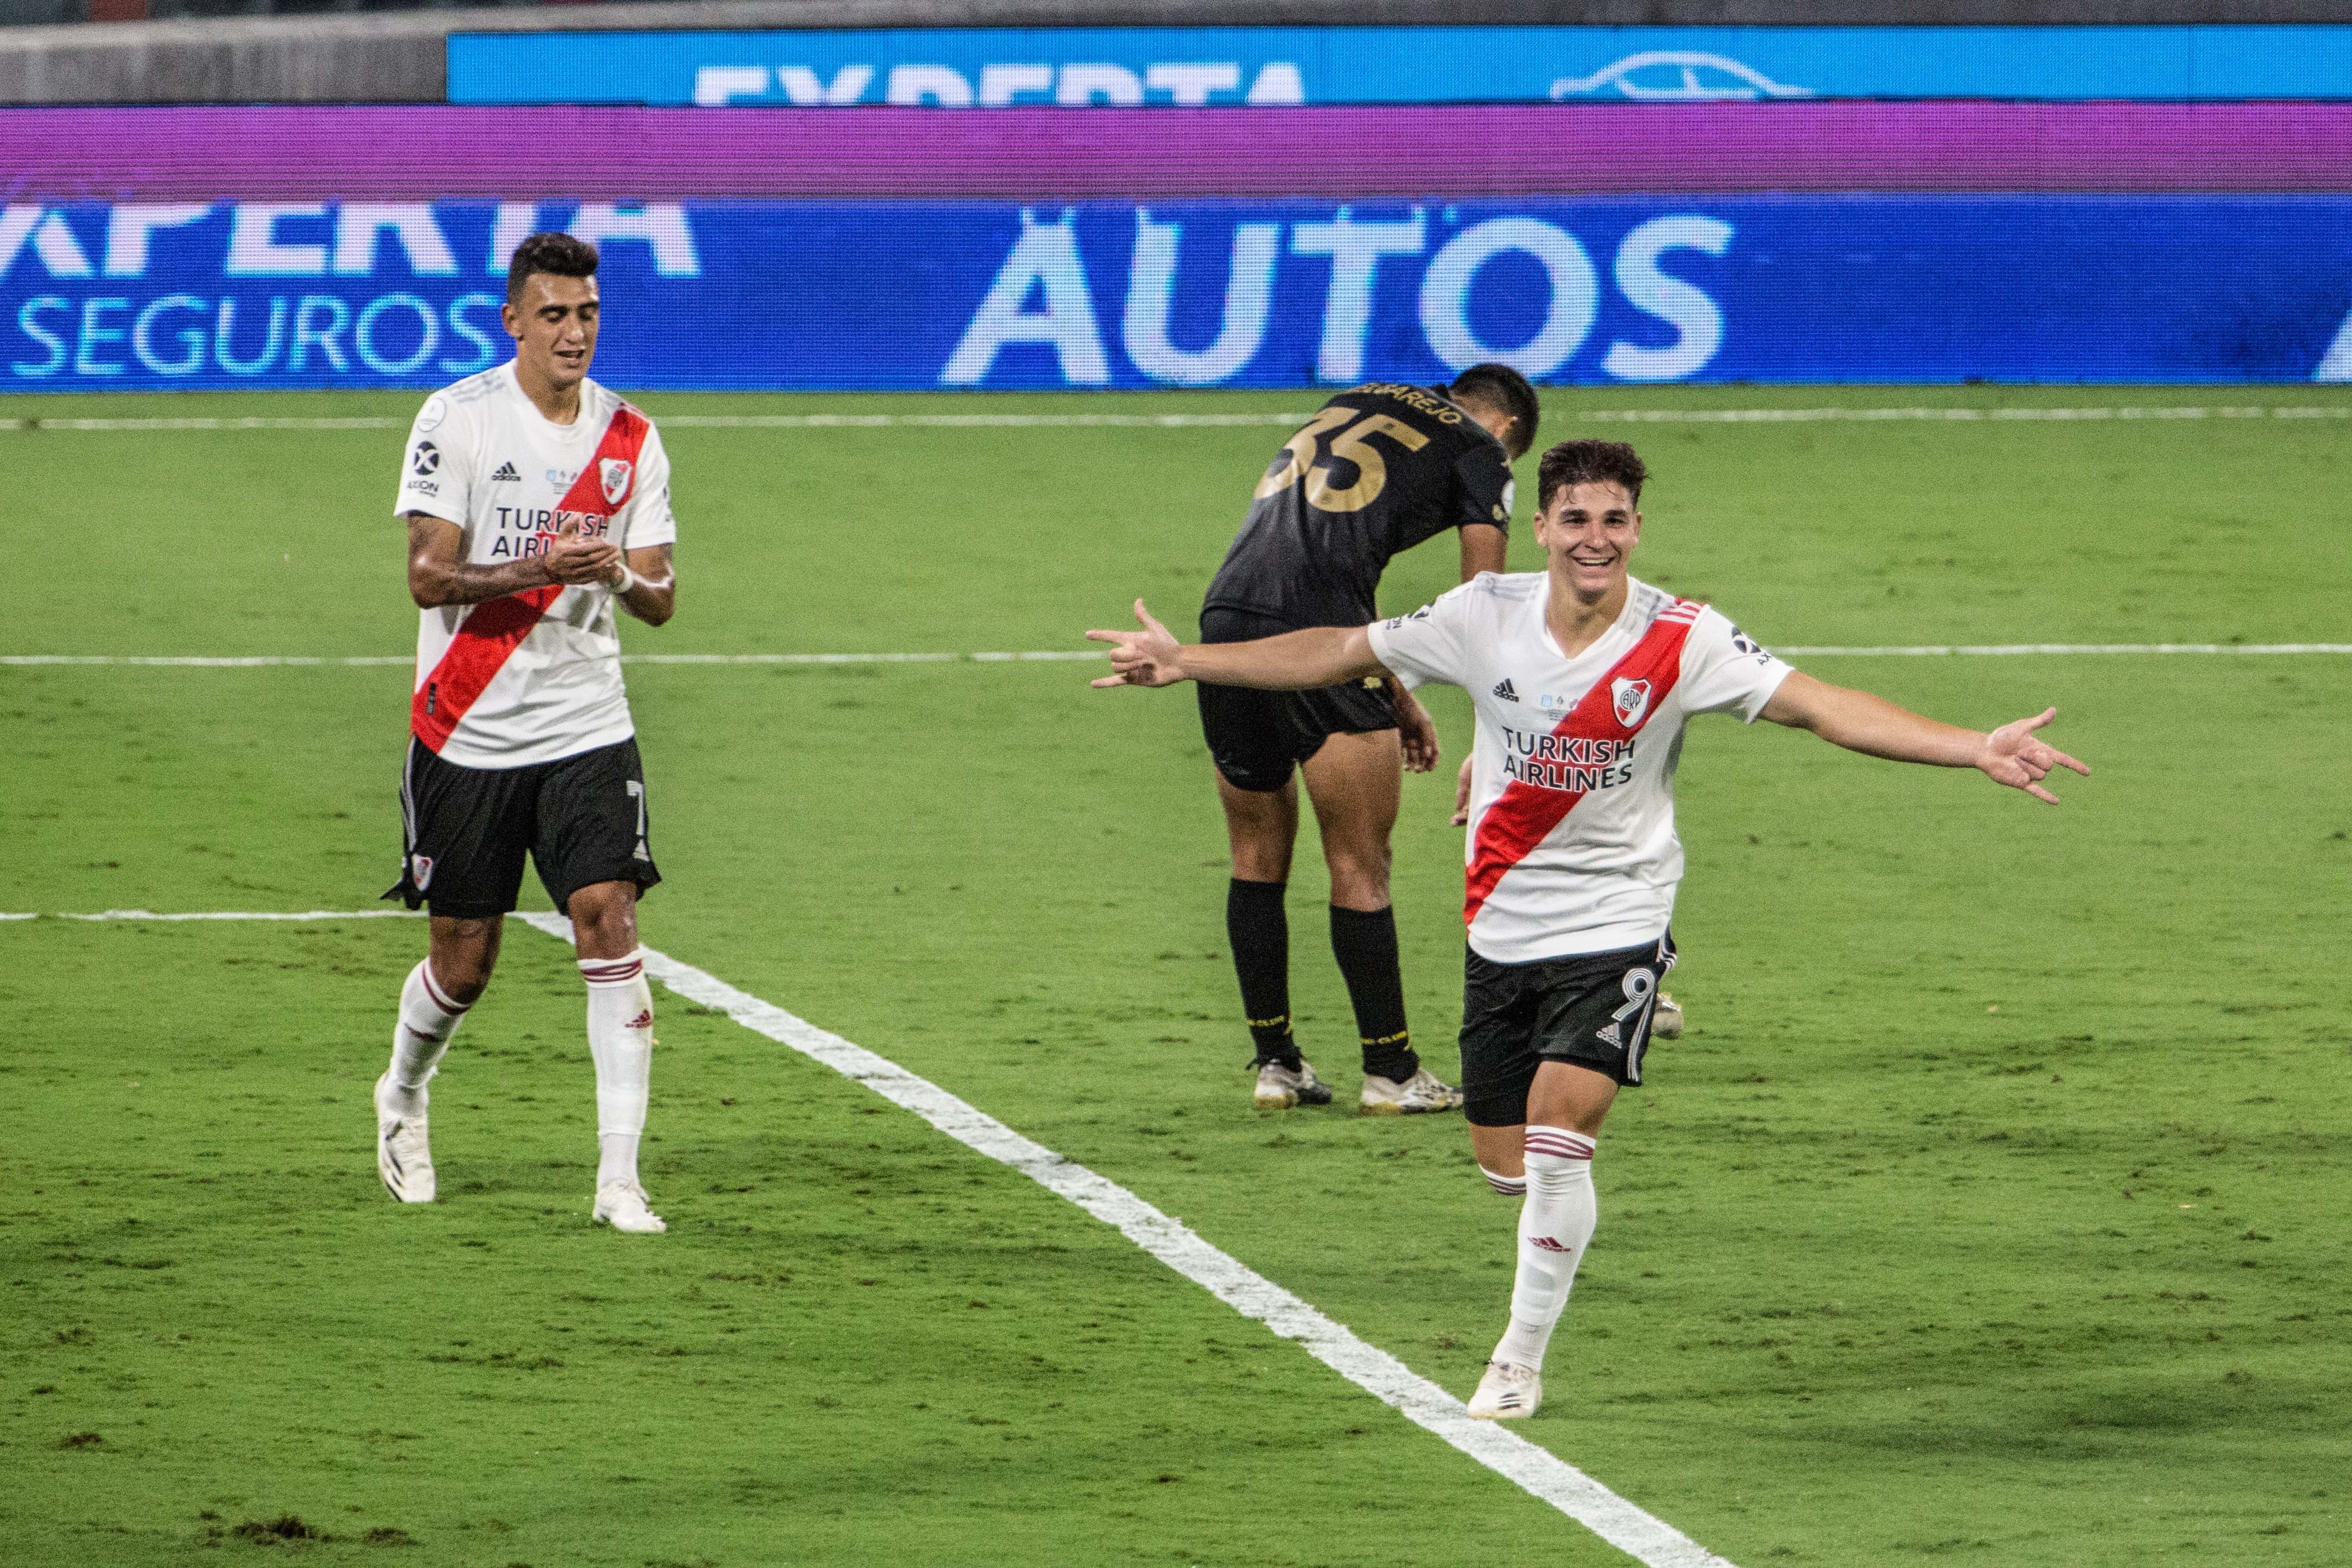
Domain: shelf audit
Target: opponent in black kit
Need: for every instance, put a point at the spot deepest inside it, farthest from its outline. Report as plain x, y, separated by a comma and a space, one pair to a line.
1380, 468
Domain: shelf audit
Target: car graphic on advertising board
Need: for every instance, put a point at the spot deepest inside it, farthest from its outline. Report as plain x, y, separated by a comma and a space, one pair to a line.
1675, 76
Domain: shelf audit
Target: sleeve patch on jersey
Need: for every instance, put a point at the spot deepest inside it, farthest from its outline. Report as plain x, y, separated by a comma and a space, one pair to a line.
429, 417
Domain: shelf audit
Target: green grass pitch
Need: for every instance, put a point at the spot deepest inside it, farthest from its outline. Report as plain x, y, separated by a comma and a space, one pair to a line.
1991, 1211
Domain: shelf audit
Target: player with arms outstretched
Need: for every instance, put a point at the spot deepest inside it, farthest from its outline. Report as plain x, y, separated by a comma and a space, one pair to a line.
537, 504
1379, 469
1583, 679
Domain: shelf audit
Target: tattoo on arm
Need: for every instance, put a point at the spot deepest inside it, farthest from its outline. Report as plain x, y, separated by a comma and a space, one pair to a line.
436, 576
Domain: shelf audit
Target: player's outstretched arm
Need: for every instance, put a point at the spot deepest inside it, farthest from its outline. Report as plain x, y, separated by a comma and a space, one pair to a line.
1860, 721
1295, 661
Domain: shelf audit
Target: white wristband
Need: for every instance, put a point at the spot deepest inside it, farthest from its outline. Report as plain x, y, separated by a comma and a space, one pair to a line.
629, 579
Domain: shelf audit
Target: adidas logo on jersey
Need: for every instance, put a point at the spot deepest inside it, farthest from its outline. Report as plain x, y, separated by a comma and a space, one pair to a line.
1504, 690
506, 473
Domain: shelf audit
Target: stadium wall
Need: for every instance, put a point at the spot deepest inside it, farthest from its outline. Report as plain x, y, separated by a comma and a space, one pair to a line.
401, 56
1064, 249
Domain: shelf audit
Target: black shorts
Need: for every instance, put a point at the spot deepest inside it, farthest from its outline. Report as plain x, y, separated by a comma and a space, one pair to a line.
581, 818
1592, 1010
1257, 737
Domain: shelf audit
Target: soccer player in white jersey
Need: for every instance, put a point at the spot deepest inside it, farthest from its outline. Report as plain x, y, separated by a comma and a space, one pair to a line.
1583, 679
537, 505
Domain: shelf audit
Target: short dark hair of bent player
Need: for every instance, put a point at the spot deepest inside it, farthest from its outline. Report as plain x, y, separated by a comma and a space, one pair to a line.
1506, 391
1590, 463
558, 255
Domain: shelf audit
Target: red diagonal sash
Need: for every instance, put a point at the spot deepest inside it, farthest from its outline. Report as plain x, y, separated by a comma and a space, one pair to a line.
489, 636
1524, 814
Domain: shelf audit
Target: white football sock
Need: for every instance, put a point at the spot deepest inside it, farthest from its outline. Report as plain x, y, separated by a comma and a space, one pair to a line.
1554, 1227
1509, 1186
427, 1019
621, 1041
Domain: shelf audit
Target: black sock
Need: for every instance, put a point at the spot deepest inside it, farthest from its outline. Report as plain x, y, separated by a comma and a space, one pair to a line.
1259, 932
1365, 946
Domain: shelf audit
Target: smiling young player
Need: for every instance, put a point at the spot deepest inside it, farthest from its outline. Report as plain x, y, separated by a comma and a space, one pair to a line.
537, 504
1583, 679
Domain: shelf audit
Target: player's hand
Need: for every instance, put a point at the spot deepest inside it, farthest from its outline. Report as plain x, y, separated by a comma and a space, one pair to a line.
1462, 796
1418, 730
2011, 756
571, 557
1151, 656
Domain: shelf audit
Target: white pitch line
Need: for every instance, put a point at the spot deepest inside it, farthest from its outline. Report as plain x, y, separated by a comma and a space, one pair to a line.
202, 661
1058, 656
207, 421
238, 915
368, 661
2004, 650
1932, 414
1246, 419
1537, 1470
1928, 413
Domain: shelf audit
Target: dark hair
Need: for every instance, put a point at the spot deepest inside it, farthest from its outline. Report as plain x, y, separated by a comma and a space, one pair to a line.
1586, 463
557, 254
1505, 390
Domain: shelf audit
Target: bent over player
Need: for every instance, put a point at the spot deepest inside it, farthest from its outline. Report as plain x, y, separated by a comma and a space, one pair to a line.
1583, 679
1379, 469
537, 503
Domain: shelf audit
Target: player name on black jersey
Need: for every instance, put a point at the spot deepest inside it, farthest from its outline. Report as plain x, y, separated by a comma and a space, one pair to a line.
1378, 470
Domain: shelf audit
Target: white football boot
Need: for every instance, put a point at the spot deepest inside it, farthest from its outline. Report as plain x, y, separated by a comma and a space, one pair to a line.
1667, 1022
1507, 1393
624, 1207
1280, 1087
1417, 1096
403, 1157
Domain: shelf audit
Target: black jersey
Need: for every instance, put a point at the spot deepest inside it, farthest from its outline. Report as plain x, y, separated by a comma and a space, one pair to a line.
1379, 469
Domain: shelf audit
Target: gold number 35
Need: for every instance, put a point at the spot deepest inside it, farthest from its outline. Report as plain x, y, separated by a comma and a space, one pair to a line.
1349, 446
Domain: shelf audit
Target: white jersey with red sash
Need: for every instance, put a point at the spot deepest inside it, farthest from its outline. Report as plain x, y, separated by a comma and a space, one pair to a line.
1572, 840
535, 676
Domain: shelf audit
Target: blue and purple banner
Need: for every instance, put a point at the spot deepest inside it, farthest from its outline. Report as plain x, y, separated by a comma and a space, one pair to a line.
1025, 154
1077, 68
911, 295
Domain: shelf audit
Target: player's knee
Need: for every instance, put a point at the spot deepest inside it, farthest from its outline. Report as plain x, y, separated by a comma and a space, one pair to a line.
1261, 846
462, 966
605, 917
1359, 879
1261, 863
